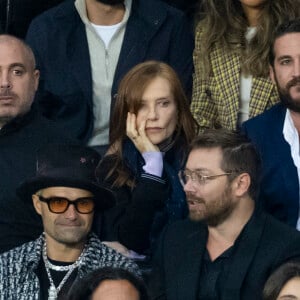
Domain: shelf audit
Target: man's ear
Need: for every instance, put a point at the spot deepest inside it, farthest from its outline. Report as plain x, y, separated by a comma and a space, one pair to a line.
242, 184
37, 204
36, 75
272, 74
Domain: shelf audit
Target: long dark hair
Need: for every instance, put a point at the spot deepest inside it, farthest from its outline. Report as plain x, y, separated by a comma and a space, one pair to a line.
225, 24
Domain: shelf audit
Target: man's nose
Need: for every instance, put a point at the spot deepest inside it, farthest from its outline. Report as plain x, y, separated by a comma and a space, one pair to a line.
5, 82
71, 212
189, 186
297, 68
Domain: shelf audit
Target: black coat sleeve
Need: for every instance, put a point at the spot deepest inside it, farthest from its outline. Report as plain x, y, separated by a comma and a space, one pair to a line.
130, 220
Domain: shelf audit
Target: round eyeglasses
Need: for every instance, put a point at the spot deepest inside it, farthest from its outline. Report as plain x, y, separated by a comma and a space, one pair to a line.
196, 176
59, 205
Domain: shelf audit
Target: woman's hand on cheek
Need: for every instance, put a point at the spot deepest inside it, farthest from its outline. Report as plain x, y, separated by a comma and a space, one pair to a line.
138, 135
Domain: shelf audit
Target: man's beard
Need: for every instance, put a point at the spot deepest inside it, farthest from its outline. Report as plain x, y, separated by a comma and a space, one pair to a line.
216, 212
285, 95
111, 2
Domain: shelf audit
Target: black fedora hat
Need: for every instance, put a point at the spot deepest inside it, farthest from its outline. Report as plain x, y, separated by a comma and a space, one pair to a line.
67, 166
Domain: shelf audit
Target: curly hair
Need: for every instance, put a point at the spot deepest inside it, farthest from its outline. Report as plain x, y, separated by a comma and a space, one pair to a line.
227, 24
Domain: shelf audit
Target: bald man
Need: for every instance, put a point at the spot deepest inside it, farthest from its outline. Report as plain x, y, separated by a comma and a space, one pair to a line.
22, 132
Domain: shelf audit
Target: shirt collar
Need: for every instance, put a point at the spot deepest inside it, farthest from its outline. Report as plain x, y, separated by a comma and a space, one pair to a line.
289, 131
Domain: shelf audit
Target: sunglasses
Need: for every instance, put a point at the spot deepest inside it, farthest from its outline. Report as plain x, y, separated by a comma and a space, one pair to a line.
59, 205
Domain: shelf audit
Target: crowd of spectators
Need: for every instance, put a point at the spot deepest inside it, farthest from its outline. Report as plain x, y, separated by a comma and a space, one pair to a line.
149, 149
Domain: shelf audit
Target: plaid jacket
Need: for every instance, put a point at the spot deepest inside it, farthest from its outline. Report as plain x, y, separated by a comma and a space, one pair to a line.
215, 101
18, 280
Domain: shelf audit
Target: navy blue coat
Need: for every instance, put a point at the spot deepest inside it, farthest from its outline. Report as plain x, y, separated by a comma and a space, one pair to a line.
279, 193
58, 38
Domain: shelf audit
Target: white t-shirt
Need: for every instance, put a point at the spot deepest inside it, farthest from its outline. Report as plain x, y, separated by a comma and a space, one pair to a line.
291, 135
245, 85
106, 32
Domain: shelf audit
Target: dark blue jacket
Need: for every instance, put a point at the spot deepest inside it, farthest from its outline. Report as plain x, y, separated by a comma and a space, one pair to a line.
58, 38
279, 187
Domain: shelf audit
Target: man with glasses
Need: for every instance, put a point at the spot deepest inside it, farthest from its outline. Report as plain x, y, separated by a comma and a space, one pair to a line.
227, 248
65, 194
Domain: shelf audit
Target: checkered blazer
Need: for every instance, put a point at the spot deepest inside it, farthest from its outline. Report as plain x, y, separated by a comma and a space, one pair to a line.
215, 101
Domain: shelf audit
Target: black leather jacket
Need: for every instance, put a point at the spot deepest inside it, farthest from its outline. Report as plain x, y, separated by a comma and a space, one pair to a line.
16, 15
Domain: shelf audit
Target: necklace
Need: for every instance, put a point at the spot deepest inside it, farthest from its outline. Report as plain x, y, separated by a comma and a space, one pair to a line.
53, 291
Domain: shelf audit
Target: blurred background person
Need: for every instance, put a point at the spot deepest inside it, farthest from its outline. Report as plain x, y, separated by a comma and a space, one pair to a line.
231, 80
84, 48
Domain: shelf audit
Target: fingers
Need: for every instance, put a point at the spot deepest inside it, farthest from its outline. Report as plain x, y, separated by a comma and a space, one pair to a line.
141, 129
138, 135
131, 126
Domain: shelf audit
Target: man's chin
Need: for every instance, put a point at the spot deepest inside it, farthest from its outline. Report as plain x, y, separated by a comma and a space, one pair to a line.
291, 101
195, 216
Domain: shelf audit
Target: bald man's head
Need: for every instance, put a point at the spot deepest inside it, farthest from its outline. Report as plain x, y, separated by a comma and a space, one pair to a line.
18, 78
6, 38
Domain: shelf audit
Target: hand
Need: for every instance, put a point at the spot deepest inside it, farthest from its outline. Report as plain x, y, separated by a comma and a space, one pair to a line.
138, 135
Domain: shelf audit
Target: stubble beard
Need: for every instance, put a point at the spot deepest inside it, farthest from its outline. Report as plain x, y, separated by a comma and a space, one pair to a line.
215, 213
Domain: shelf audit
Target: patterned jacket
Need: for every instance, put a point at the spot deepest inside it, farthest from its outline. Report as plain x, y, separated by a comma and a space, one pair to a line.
18, 280
215, 101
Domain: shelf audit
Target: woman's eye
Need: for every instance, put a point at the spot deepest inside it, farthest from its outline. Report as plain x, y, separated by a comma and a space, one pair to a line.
164, 103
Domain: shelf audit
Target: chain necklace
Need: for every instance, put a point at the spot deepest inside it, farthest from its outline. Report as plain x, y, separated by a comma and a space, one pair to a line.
53, 291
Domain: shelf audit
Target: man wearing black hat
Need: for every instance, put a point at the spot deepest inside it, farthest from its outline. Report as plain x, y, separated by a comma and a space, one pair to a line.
65, 194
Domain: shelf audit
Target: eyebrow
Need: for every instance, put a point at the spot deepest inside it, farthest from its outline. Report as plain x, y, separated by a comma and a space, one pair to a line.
163, 98
283, 57
158, 99
17, 65
288, 297
14, 65
198, 170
